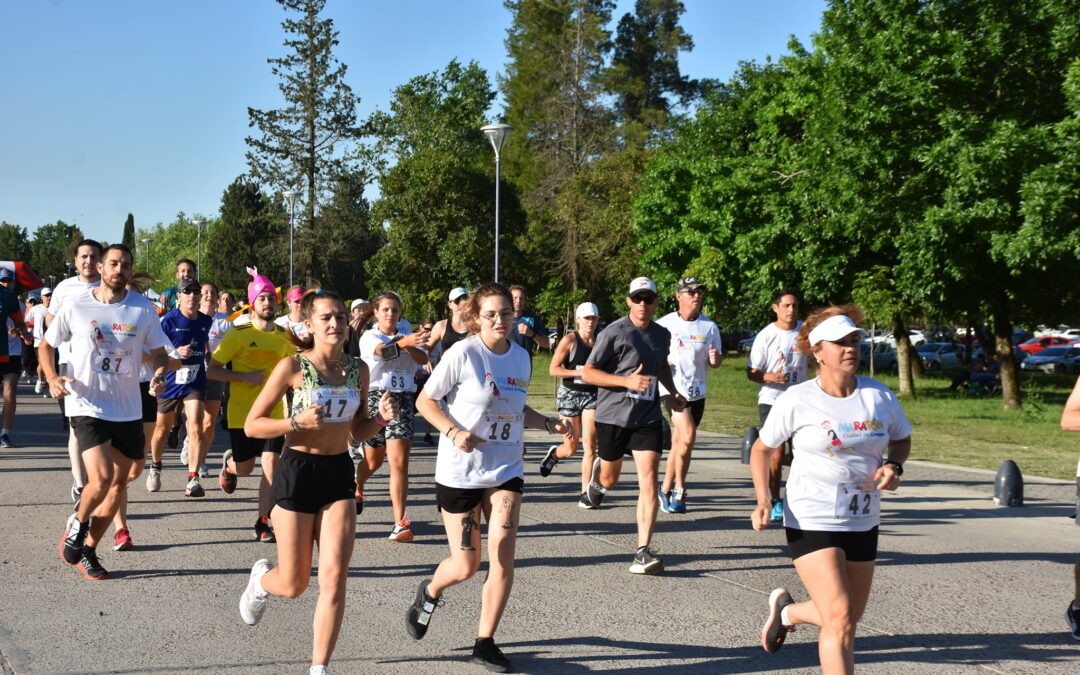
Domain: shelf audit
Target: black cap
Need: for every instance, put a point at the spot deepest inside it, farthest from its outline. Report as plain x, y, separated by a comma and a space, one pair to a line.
185, 284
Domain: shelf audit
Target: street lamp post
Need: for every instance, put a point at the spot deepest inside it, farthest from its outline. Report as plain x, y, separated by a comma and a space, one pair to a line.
146, 262
290, 202
199, 224
496, 133
68, 266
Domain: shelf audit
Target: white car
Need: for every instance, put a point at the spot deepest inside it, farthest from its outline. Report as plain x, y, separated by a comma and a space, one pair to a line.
916, 336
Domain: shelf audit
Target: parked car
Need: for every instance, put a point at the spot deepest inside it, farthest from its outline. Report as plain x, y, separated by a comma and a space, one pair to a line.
884, 357
916, 336
1037, 344
746, 343
1019, 355
938, 356
1061, 359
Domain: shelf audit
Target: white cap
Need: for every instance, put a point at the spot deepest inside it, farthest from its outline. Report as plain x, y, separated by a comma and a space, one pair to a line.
458, 292
587, 309
835, 328
46, 291
641, 284
357, 302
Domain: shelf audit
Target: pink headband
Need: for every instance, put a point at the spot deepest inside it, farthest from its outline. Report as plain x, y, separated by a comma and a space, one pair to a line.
259, 284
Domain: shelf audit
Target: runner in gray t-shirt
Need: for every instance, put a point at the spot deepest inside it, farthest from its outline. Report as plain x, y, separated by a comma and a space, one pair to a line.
629, 356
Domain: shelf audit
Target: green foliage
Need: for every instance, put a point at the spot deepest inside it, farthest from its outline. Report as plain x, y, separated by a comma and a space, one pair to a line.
52, 246
14, 243
253, 230
345, 238
128, 238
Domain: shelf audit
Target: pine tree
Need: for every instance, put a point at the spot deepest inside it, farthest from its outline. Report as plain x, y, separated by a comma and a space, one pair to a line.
129, 232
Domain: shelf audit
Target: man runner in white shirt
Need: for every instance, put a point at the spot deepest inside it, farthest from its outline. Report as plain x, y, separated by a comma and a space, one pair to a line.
107, 328
695, 347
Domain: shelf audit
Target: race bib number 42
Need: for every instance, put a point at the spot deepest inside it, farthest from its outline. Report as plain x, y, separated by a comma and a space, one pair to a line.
857, 501
112, 362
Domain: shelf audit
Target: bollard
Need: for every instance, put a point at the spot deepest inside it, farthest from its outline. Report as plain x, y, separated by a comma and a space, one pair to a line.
748, 442
1009, 485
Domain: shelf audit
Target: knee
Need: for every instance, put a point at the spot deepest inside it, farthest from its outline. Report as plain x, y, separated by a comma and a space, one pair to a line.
840, 619
244, 468
463, 569
293, 586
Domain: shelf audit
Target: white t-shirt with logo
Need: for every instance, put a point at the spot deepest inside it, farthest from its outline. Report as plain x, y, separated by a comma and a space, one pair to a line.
689, 353
35, 318
838, 444
394, 375
71, 287
485, 394
774, 351
107, 342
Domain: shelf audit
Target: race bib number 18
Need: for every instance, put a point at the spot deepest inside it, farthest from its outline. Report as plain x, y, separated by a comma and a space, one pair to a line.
502, 429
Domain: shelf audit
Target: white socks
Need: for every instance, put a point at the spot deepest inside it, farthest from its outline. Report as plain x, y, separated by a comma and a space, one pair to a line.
784, 617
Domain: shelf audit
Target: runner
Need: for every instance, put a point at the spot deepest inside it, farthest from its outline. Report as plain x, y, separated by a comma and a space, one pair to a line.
575, 399
480, 467
11, 310
391, 358
292, 321
529, 331
87, 257
313, 491
775, 363
359, 314
253, 348
185, 389
423, 372
107, 328
29, 356
444, 334
36, 322
840, 424
215, 389
185, 269
629, 357
1070, 421
695, 347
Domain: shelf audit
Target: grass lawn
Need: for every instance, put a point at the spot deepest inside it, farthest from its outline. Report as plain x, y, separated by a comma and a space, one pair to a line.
948, 428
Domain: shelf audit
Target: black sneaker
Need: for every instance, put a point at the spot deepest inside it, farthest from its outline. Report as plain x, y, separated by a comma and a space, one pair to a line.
549, 461
90, 567
71, 544
174, 437
420, 611
1072, 617
584, 502
490, 656
774, 631
595, 493
646, 562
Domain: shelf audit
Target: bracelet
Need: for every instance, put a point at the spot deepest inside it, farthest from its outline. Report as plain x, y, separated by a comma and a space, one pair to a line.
380, 421
454, 437
897, 466
447, 434
292, 422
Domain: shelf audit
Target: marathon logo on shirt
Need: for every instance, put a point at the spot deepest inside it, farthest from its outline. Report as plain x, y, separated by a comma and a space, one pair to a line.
861, 428
125, 329
515, 383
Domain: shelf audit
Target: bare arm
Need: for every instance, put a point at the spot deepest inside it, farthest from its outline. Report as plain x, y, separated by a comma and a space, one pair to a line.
218, 371
259, 424
759, 472
561, 352
1070, 417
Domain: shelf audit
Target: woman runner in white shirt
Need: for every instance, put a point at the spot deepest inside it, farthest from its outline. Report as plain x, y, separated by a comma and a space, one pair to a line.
840, 425
480, 467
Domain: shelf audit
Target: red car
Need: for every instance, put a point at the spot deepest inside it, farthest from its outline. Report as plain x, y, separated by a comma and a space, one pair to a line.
1037, 344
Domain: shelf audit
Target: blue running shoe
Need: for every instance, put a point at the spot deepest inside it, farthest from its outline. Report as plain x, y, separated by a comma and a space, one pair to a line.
777, 513
665, 501
678, 501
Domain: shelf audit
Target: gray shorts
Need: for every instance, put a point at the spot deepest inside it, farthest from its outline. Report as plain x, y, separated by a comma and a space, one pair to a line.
401, 427
571, 402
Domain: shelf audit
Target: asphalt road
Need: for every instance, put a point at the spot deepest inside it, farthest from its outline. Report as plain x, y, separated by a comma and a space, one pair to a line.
962, 586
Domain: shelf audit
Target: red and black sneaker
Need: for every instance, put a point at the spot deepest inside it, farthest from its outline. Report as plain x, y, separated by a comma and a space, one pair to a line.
263, 531
90, 567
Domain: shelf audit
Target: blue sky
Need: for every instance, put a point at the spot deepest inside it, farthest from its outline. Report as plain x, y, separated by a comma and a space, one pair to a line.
140, 106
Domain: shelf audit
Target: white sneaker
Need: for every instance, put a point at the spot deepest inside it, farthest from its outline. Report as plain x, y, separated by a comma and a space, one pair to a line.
252, 600
39, 386
204, 471
184, 452
153, 480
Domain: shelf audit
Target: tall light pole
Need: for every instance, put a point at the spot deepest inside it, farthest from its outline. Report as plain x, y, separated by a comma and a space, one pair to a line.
146, 263
199, 224
496, 133
290, 202
68, 265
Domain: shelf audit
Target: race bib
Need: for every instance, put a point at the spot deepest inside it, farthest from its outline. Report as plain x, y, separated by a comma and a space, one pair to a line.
857, 501
187, 374
578, 380
339, 403
399, 380
647, 395
502, 428
112, 362
695, 389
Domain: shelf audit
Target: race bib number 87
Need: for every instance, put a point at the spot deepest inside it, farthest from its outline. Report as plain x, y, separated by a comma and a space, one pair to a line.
112, 362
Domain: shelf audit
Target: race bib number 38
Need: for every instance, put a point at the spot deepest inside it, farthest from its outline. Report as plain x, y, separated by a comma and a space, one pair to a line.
112, 362
857, 501
339, 403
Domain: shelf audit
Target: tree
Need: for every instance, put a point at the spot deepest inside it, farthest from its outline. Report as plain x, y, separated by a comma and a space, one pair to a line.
252, 230
129, 232
53, 245
345, 238
309, 142
14, 242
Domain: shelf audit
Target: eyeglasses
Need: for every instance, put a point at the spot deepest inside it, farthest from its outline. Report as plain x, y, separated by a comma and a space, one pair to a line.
693, 291
457, 301
647, 299
502, 317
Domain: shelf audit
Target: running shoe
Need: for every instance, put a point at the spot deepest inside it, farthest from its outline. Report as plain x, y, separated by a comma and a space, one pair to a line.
122, 540
1072, 617
420, 611
359, 502
584, 502
39, 386
76, 493
678, 501
253, 600
777, 513
595, 493
153, 480
549, 461
263, 531
227, 479
174, 437
204, 471
428, 439
774, 631
665, 501
646, 562
184, 452
5, 441
319, 670
194, 487
485, 653
90, 567
402, 532
71, 544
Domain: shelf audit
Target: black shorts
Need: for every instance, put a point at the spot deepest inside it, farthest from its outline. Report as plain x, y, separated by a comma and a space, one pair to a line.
307, 483
149, 403
464, 500
12, 365
857, 546
613, 442
244, 448
763, 412
126, 437
696, 408
215, 390
175, 405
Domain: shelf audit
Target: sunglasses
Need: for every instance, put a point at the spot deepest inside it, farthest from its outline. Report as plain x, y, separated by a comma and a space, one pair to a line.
191, 291
644, 298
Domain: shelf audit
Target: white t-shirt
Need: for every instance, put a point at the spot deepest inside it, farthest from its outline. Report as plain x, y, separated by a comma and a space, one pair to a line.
106, 353
397, 374
689, 353
36, 319
838, 444
15, 343
218, 328
65, 290
297, 328
773, 351
485, 394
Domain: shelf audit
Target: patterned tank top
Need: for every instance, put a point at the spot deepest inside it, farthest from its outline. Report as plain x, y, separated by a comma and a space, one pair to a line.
340, 402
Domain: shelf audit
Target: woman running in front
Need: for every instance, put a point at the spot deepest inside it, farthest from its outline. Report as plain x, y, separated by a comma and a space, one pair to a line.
312, 493
575, 399
840, 425
392, 358
480, 467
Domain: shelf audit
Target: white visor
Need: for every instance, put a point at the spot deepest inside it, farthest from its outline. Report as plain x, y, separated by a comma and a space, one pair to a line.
835, 328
